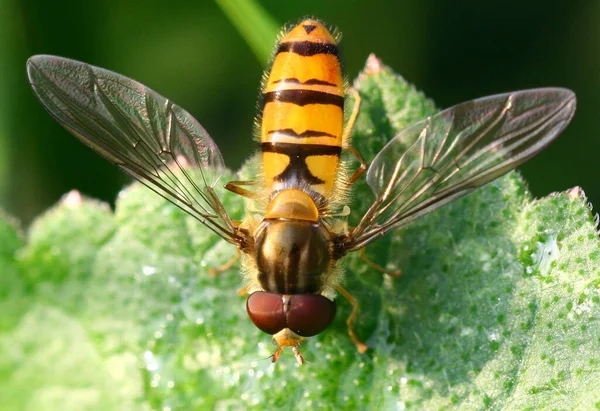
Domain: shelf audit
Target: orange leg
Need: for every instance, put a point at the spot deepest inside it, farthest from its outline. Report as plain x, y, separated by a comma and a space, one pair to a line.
235, 187
353, 115
360, 346
394, 273
363, 165
346, 136
214, 271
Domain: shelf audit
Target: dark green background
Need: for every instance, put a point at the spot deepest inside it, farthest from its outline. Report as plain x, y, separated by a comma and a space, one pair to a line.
189, 51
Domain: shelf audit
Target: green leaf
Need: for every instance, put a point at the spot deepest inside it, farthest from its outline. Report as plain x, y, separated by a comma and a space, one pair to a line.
497, 307
12, 288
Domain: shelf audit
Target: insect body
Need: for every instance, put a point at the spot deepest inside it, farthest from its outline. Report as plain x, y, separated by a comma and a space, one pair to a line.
290, 250
301, 133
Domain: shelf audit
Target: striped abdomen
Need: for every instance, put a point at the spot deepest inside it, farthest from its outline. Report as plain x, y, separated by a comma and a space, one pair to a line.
303, 113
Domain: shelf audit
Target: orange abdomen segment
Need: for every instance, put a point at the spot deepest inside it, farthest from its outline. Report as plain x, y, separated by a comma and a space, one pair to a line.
303, 111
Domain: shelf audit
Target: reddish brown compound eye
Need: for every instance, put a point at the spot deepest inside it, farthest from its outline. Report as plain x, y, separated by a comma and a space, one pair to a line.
304, 314
266, 311
309, 314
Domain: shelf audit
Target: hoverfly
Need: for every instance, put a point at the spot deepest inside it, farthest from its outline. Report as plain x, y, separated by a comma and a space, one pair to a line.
292, 240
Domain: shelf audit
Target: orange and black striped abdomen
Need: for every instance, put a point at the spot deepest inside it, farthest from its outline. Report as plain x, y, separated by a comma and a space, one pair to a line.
303, 111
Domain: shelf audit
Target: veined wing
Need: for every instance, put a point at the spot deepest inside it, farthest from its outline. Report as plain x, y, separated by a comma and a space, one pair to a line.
456, 151
143, 133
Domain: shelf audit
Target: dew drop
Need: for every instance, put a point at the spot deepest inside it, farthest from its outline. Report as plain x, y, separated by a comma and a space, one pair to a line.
151, 361
545, 253
493, 335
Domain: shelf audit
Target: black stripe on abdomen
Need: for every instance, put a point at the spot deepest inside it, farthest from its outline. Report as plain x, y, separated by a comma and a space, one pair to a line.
301, 97
309, 82
288, 132
308, 48
297, 170
301, 150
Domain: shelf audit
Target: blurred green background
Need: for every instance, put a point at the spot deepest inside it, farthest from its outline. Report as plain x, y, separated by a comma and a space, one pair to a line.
190, 52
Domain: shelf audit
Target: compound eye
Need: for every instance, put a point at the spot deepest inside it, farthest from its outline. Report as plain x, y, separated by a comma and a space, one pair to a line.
309, 314
266, 311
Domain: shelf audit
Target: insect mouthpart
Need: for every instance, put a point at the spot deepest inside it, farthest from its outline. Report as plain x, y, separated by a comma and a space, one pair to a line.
289, 318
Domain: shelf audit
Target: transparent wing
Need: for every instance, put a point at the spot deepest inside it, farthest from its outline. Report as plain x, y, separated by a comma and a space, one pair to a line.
145, 134
456, 151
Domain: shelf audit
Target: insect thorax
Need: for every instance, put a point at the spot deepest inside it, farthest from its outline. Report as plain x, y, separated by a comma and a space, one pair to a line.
292, 247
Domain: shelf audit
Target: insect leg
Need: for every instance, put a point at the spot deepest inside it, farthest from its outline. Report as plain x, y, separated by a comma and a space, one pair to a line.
360, 346
214, 271
348, 131
394, 273
297, 354
361, 169
353, 115
235, 187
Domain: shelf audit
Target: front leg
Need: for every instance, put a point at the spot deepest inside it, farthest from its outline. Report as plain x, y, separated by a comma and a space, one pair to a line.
236, 187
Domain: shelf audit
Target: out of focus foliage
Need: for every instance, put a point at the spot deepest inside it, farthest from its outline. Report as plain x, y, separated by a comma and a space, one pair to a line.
190, 52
